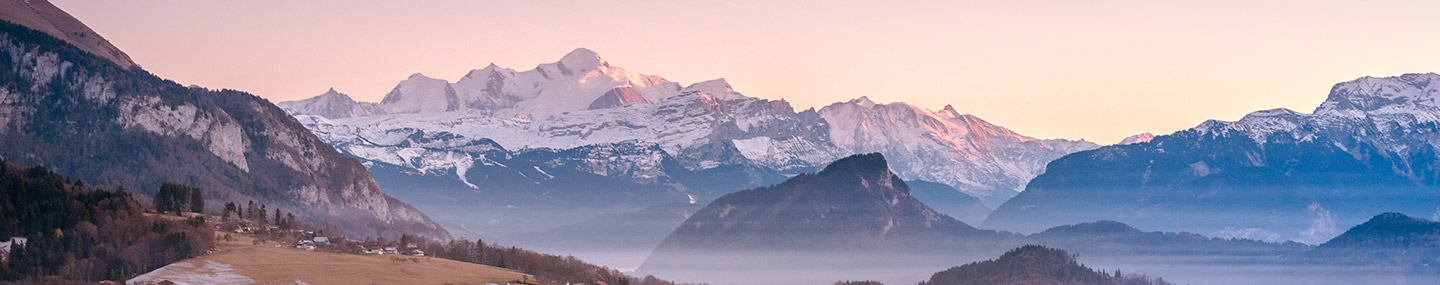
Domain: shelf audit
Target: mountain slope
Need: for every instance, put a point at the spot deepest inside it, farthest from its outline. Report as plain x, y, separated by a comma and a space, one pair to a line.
975, 156
86, 117
438, 134
332, 104
948, 201
1388, 237
1274, 174
855, 203
854, 213
45, 17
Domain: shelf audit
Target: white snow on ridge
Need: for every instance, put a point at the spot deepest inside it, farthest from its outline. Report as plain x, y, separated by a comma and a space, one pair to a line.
1372, 109
947, 147
550, 107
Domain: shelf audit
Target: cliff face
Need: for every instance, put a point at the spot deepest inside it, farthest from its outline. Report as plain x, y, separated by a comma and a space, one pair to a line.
90, 117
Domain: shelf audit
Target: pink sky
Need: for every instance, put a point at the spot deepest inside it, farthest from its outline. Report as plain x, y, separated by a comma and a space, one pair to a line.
1099, 70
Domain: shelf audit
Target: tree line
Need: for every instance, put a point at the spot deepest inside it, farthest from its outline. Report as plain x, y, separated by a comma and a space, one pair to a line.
548, 268
179, 199
76, 232
286, 221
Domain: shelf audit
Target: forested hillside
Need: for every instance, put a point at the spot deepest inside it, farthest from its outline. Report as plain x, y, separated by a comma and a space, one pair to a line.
1033, 264
55, 227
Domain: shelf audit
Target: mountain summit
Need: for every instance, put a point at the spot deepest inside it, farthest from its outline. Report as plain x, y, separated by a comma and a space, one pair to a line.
854, 212
855, 203
42, 16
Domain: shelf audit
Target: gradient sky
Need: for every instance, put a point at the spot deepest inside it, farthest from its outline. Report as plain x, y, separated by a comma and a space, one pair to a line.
1099, 70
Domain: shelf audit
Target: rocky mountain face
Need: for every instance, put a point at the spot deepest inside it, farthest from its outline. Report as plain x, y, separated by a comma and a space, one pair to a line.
98, 119
1272, 175
974, 156
332, 104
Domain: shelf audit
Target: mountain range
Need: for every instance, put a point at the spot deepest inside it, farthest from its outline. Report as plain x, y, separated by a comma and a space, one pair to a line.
457, 138
855, 212
1276, 175
71, 102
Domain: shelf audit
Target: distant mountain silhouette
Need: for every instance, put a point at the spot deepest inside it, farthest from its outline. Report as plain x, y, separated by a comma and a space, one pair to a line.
949, 201
1033, 264
1388, 237
1276, 175
855, 203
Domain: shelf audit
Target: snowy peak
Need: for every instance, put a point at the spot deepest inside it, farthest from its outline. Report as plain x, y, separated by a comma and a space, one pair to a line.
977, 157
1139, 138
1405, 93
575, 82
581, 60
421, 94
719, 88
331, 105
949, 112
1384, 104
863, 101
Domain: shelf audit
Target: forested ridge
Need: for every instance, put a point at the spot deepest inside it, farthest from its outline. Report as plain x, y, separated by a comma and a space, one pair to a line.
546, 267
83, 233
1033, 264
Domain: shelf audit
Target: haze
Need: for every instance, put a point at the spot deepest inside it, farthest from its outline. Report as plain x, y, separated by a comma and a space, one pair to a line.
1098, 70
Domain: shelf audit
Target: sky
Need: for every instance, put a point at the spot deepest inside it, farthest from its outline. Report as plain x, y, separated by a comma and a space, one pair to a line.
1097, 70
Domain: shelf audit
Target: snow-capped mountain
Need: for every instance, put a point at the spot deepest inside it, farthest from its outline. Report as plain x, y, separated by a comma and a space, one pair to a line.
765, 132
1389, 112
332, 104
974, 156
675, 144
580, 80
428, 127
1138, 138
1372, 146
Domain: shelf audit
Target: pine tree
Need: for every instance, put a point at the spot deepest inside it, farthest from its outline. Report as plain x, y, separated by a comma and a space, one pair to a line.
229, 208
197, 200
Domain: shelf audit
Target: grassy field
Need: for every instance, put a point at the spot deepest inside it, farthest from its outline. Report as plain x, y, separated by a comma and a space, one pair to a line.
239, 262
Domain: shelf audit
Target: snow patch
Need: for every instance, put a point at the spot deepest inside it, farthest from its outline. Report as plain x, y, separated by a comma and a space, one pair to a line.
193, 272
